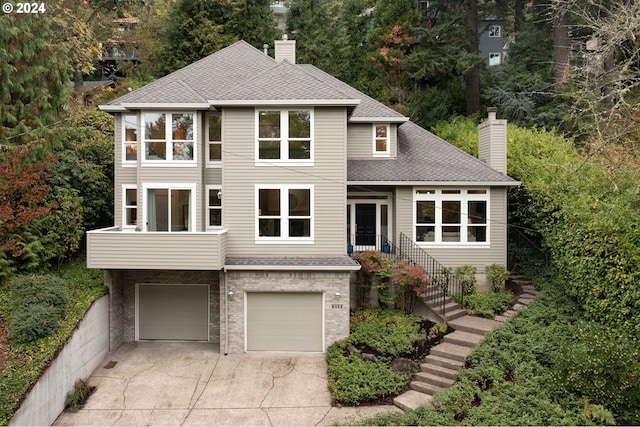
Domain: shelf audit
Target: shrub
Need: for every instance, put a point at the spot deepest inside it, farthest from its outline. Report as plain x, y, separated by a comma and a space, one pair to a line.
487, 305
77, 397
375, 273
496, 275
33, 322
389, 332
32, 289
466, 274
409, 282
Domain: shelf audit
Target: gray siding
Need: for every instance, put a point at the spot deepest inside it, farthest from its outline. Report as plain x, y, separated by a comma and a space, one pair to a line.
240, 174
455, 256
111, 249
360, 140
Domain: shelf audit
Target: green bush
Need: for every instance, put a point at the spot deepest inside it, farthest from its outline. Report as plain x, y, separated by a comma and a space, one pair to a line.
466, 274
33, 322
489, 304
77, 397
43, 289
496, 275
389, 332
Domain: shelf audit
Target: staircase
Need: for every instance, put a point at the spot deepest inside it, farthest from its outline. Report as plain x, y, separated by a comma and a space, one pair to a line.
440, 368
433, 297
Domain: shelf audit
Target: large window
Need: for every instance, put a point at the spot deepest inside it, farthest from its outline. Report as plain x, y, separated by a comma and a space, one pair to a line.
214, 138
169, 137
130, 206
284, 135
284, 212
169, 208
130, 138
381, 145
214, 206
451, 215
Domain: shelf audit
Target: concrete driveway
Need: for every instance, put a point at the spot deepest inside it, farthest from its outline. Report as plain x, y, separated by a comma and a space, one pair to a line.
191, 384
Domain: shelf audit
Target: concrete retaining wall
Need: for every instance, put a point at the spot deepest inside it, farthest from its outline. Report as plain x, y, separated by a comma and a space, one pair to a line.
85, 350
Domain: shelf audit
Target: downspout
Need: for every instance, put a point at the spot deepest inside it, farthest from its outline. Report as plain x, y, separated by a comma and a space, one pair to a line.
226, 313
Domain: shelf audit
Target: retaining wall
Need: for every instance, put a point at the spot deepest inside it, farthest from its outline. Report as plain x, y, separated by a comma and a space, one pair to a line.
84, 351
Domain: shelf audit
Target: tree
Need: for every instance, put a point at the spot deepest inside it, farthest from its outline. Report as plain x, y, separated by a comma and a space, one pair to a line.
472, 75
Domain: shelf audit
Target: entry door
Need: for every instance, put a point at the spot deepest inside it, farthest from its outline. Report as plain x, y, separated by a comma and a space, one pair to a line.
366, 224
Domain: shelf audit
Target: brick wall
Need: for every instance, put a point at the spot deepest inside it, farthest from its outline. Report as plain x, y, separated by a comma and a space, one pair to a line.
336, 310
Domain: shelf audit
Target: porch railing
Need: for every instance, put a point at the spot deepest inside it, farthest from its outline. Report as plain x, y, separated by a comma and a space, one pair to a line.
444, 281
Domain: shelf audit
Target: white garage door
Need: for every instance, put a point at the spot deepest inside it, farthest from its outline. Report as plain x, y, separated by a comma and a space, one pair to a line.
173, 312
284, 321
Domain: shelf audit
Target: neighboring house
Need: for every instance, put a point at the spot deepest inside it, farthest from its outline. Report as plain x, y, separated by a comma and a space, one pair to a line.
491, 44
240, 182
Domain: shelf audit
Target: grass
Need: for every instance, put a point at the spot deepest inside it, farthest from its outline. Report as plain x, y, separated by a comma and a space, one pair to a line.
25, 363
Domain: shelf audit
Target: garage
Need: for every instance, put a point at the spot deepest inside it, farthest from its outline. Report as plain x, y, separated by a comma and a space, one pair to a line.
279, 321
172, 312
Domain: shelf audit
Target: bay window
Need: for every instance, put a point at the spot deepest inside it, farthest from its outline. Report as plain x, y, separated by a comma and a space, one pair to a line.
451, 215
284, 135
284, 213
169, 137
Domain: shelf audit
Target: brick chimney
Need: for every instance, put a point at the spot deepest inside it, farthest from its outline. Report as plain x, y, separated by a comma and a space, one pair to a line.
492, 142
285, 49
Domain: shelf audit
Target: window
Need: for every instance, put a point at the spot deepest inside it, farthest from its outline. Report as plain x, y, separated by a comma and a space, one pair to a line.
381, 146
451, 216
169, 208
169, 137
130, 138
214, 138
494, 59
495, 31
214, 207
285, 135
130, 204
284, 212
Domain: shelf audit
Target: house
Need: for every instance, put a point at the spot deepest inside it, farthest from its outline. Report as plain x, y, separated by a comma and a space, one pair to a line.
241, 180
491, 46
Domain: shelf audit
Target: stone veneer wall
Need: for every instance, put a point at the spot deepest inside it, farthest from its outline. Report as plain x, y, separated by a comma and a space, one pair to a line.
336, 312
127, 282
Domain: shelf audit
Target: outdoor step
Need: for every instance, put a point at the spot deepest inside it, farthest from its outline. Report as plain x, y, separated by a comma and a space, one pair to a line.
425, 387
454, 314
466, 339
452, 351
434, 301
432, 379
411, 399
430, 368
473, 324
443, 362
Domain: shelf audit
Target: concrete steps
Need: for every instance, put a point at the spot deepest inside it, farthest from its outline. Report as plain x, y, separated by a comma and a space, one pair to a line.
441, 366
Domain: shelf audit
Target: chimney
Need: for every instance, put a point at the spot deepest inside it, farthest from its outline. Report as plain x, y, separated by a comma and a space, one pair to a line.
285, 49
492, 142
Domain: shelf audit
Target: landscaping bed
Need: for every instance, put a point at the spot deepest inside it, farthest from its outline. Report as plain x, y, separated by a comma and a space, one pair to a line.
378, 359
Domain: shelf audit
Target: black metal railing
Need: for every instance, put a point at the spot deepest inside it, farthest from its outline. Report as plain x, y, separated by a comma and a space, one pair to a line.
443, 282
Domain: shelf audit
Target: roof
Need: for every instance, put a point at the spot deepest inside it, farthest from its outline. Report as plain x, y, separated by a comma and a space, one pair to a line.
424, 158
291, 263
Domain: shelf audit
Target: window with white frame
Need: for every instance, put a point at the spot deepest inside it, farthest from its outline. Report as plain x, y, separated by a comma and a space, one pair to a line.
169, 137
214, 138
169, 207
130, 138
214, 206
495, 31
284, 212
494, 58
451, 216
284, 135
130, 206
381, 145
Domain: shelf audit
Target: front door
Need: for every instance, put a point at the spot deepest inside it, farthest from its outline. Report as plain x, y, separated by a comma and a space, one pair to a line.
366, 224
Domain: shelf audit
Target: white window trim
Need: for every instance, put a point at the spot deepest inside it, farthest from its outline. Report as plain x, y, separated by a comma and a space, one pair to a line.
284, 214
168, 186
284, 139
129, 163
464, 197
499, 56
221, 208
168, 141
499, 32
213, 163
387, 152
125, 226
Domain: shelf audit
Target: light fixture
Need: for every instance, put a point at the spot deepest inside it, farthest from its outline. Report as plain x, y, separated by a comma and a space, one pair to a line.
230, 293
220, 195
337, 293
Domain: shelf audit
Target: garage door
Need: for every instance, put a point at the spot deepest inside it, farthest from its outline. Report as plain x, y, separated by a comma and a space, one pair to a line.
173, 312
284, 321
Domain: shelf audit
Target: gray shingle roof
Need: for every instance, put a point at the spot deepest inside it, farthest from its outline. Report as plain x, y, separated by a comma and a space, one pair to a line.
423, 157
291, 262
